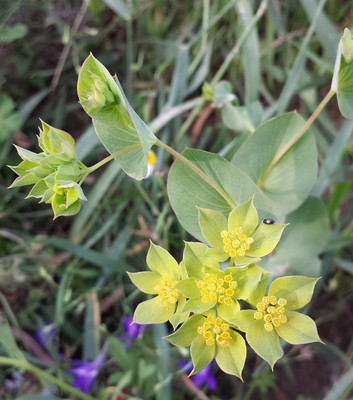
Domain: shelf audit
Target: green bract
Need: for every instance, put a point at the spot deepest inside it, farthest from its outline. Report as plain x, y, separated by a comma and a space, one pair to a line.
54, 173
240, 237
161, 281
209, 336
274, 319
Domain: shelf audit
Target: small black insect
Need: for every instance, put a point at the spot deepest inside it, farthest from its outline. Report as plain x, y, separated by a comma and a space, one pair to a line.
268, 221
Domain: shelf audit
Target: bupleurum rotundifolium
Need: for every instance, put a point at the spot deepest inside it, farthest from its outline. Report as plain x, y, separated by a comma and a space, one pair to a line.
215, 330
167, 294
236, 242
271, 311
212, 288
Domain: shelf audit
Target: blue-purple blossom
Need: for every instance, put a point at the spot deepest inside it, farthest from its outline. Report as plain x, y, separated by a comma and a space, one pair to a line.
85, 373
205, 376
133, 331
44, 333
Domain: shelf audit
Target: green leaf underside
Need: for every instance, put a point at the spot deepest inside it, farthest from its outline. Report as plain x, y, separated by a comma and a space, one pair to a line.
161, 262
150, 312
201, 354
290, 181
265, 344
345, 89
297, 290
231, 358
187, 190
184, 336
146, 281
299, 329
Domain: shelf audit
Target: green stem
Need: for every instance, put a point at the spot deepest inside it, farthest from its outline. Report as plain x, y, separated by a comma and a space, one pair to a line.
111, 157
298, 135
44, 375
198, 171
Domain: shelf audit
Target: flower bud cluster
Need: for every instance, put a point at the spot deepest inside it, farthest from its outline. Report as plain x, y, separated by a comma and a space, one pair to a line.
98, 96
55, 173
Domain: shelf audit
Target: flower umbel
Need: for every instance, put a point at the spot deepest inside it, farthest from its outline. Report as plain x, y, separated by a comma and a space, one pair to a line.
240, 237
165, 273
274, 319
56, 173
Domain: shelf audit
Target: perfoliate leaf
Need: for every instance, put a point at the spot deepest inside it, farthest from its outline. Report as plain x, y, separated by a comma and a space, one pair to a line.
288, 181
117, 125
298, 329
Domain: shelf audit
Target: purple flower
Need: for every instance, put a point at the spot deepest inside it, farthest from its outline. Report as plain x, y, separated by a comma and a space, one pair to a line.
44, 333
85, 373
133, 331
205, 376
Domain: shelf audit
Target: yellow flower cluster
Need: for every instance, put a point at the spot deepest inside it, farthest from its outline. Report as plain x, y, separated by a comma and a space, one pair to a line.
272, 311
167, 295
215, 329
214, 288
236, 242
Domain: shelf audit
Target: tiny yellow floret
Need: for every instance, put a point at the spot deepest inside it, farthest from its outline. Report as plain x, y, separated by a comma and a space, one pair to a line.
167, 295
214, 288
235, 242
215, 330
273, 316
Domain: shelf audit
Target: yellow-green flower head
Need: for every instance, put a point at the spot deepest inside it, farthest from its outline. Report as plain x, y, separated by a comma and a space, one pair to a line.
208, 287
211, 337
241, 237
54, 173
161, 281
98, 95
274, 317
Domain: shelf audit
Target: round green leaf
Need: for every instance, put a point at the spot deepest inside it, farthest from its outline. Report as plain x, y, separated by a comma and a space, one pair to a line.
297, 290
265, 344
187, 190
150, 312
231, 358
117, 124
298, 329
291, 179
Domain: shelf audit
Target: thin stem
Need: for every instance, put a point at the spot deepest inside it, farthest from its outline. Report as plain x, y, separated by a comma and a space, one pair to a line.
44, 375
235, 50
223, 68
198, 171
295, 138
111, 157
